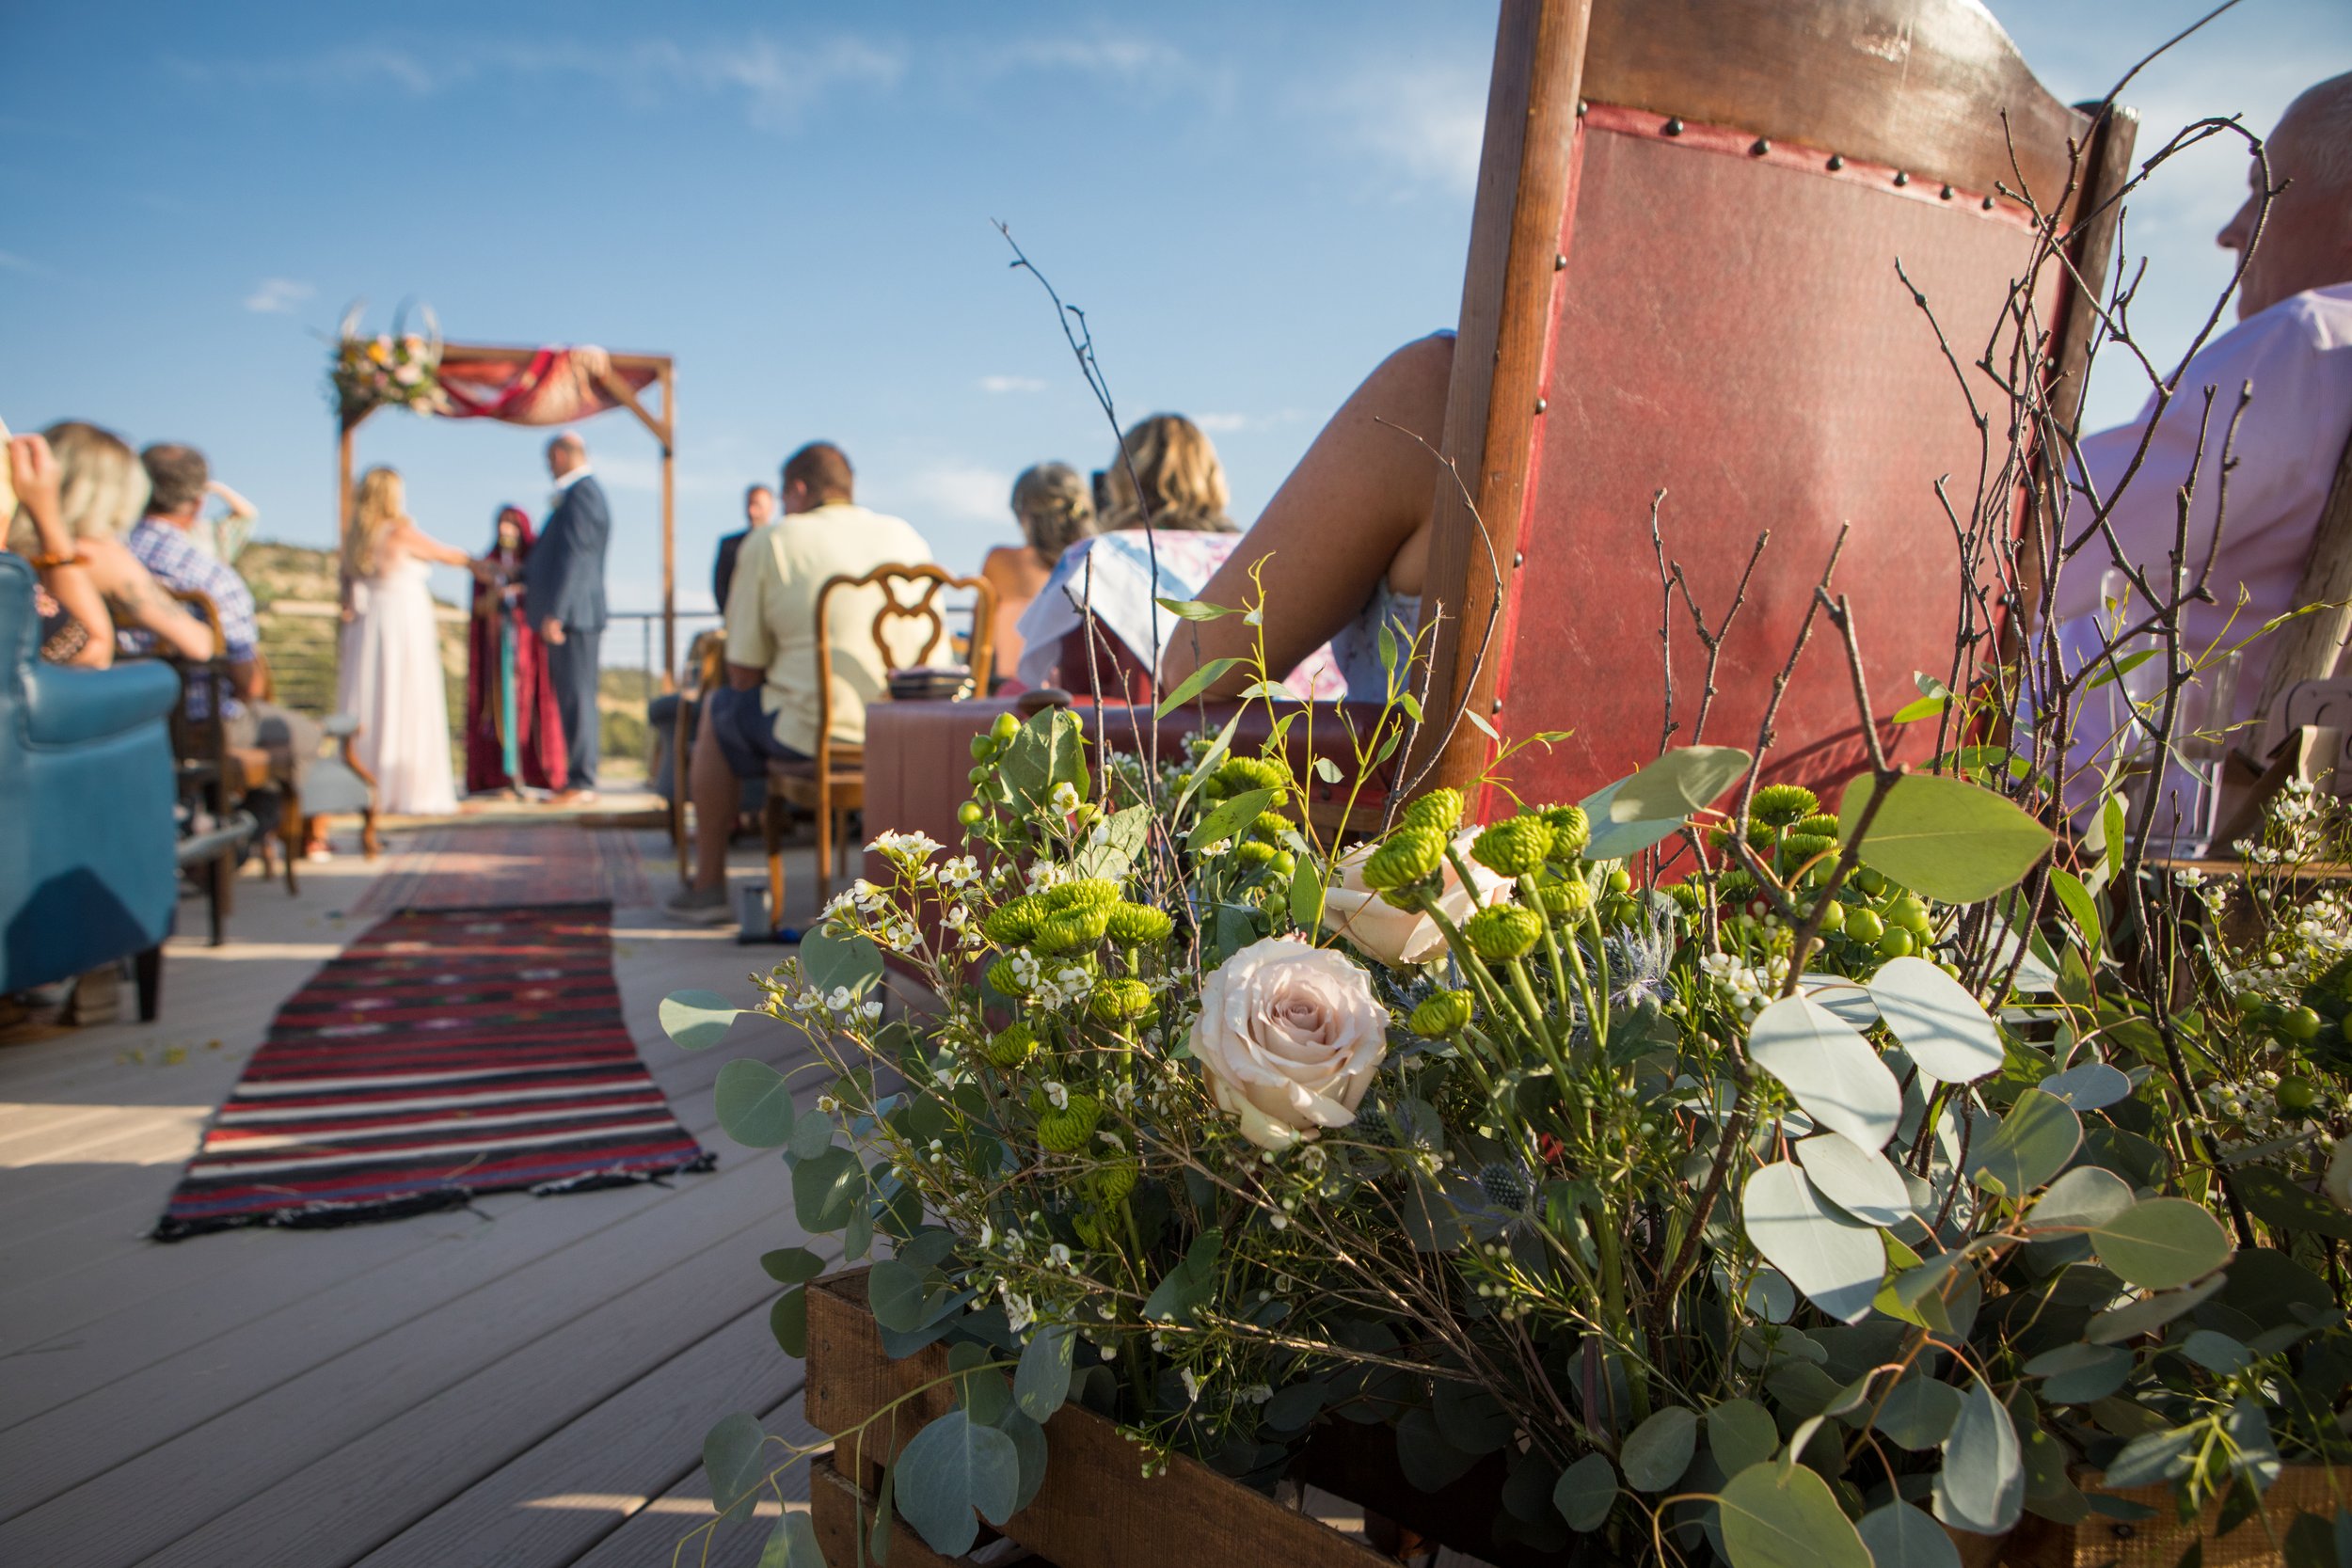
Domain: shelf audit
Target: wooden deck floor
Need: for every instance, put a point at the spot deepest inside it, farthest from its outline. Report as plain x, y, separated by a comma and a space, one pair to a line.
524, 1385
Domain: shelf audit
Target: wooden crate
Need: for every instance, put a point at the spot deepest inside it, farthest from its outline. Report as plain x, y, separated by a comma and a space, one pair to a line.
1095, 1509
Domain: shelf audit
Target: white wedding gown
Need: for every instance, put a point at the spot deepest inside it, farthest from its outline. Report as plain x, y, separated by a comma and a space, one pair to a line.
391, 680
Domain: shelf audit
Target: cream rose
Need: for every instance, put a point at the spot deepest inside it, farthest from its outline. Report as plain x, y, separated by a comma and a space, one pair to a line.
1396, 936
2337, 1183
1289, 1036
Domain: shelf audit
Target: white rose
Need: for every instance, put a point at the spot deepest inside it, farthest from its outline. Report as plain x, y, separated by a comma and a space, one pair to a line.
2337, 1183
1289, 1036
1396, 936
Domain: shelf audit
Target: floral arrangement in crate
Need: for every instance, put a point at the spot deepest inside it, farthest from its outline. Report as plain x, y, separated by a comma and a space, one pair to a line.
1739, 1170
399, 367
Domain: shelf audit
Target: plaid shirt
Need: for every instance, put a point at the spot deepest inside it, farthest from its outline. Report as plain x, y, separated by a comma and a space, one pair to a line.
176, 562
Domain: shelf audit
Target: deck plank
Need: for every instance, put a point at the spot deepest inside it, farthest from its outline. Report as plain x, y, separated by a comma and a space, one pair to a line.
650, 1537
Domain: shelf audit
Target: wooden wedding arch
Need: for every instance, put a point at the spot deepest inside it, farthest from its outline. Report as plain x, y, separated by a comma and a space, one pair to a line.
550, 386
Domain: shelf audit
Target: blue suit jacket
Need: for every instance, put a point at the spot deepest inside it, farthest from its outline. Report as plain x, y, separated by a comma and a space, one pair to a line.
565, 575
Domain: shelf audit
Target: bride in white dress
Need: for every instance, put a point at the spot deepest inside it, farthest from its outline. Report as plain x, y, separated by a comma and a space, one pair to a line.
391, 677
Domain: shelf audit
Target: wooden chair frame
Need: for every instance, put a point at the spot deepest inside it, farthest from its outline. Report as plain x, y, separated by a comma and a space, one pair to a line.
707, 653
833, 782
290, 832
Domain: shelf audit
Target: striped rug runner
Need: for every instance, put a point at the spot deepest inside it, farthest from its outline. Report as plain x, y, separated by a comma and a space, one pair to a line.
446, 1052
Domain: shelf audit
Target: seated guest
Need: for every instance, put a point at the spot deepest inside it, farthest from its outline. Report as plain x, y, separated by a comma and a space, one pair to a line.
101, 490
1182, 482
767, 709
75, 626
181, 480
760, 510
1056, 509
2293, 344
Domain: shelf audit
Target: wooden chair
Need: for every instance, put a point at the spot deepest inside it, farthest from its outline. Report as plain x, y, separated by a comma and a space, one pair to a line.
210, 774
243, 770
1682, 276
832, 783
706, 655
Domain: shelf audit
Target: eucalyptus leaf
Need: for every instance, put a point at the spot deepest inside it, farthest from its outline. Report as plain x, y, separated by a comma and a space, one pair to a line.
2277, 1201
1740, 1432
2083, 905
793, 1544
2033, 1144
1837, 1262
1829, 1068
1680, 783
2134, 1319
1430, 1462
2079, 1373
755, 1104
1862, 1181
2216, 1352
1189, 1286
1775, 1516
1944, 1028
732, 1453
1586, 1492
2154, 1457
823, 1190
2161, 1242
2084, 1197
954, 1466
1946, 838
1982, 1487
1917, 1412
812, 1134
697, 1020
1902, 1536
787, 1321
1029, 1449
2090, 1087
896, 1292
792, 1265
1041, 1382
831, 962
1657, 1453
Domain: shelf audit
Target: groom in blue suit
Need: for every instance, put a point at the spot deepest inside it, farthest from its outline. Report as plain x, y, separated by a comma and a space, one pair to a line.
564, 596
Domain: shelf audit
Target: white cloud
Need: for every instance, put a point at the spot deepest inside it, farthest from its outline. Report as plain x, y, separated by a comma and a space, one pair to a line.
998, 385
1217, 424
955, 493
1424, 122
1102, 54
278, 296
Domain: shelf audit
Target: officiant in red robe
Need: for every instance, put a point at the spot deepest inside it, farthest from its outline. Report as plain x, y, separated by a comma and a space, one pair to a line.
514, 736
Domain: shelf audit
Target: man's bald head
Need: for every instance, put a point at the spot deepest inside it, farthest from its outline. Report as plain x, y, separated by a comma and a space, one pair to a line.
565, 452
2306, 237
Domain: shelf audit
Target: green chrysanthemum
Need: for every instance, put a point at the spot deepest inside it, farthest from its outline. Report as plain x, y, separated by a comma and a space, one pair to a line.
1410, 853
1571, 831
1138, 925
1734, 889
1503, 931
1015, 922
1822, 824
1250, 852
1087, 893
1440, 809
1563, 892
1514, 847
1090, 1230
1066, 1130
1784, 805
1797, 848
1440, 1015
1005, 980
1073, 929
1120, 1000
1113, 1183
1760, 836
1244, 774
1011, 1046
1270, 826
1687, 894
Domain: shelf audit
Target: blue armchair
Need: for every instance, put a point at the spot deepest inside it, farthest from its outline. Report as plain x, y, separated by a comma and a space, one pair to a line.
88, 861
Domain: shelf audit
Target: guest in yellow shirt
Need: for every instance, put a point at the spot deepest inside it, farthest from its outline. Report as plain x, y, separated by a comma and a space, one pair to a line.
767, 711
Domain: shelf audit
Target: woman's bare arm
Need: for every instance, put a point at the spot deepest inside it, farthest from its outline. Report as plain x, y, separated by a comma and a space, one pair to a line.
1356, 508
141, 601
409, 537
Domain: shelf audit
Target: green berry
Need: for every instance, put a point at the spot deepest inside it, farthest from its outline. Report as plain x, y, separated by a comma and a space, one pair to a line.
978, 775
1784, 805
1138, 925
983, 748
1408, 854
1865, 926
1006, 727
1120, 1000
1284, 864
1897, 943
1011, 1046
971, 813
2299, 1024
1833, 916
2297, 1096
1621, 880
1870, 882
1570, 831
1503, 931
1514, 847
1440, 1015
1440, 809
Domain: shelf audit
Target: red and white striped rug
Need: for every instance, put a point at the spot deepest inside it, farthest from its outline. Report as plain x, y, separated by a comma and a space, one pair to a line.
446, 1052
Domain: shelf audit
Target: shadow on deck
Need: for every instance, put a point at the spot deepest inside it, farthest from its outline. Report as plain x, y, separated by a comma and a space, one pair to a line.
525, 1381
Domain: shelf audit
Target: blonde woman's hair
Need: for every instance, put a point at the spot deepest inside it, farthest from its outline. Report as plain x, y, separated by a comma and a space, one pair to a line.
1054, 507
1183, 483
379, 506
101, 489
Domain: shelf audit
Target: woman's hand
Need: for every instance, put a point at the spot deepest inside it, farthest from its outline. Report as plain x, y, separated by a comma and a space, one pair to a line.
32, 471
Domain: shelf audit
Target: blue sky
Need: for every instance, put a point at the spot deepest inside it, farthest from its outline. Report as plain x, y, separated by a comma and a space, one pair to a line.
1253, 202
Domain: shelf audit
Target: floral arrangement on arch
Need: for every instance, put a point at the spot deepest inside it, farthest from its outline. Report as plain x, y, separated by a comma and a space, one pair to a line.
399, 369
1737, 1166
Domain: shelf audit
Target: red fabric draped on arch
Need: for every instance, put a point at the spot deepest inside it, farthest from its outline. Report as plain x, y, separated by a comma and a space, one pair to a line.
533, 387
